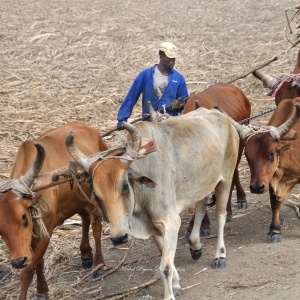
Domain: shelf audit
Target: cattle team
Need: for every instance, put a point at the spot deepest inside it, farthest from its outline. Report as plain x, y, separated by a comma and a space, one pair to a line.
165, 166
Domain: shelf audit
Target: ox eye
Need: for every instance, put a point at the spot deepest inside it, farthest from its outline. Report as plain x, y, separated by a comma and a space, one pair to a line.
271, 157
125, 188
24, 220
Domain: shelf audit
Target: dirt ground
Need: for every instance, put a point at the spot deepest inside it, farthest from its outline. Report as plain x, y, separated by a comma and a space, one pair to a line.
75, 60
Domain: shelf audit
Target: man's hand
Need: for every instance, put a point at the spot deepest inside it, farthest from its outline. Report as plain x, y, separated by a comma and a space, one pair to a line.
119, 125
177, 103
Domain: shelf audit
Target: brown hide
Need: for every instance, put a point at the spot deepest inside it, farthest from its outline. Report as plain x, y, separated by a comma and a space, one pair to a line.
275, 165
63, 202
261, 152
287, 91
229, 97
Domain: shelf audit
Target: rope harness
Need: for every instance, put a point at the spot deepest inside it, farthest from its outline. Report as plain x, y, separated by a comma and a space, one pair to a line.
85, 177
39, 229
281, 80
258, 115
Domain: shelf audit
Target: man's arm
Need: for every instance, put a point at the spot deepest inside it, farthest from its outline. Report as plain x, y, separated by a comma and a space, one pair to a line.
130, 100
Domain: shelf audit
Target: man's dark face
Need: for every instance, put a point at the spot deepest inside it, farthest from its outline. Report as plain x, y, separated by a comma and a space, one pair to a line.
167, 62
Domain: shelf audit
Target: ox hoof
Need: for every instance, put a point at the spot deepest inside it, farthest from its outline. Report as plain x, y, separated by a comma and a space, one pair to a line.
219, 263
196, 254
97, 274
176, 291
87, 263
41, 298
273, 237
228, 219
242, 205
205, 231
187, 235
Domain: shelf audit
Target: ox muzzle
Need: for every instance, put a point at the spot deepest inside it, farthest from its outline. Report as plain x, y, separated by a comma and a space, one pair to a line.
121, 239
257, 188
19, 263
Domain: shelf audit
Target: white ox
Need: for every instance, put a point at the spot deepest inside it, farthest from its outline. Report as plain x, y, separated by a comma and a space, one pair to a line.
196, 153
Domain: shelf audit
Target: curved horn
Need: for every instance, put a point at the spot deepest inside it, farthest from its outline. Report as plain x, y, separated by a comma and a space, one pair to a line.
242, 130
152, 112
197, 105
135, 136
284, 128
267, 80
73, 150
36, 167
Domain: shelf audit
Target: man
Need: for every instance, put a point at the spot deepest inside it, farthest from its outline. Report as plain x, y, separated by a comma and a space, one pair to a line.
160, 84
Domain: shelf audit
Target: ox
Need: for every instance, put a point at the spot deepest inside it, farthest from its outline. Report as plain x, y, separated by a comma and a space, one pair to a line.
283, 87
15, 220
238, 107
274, 163
196, 153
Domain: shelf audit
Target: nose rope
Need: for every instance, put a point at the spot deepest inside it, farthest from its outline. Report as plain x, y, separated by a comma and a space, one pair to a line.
278, 155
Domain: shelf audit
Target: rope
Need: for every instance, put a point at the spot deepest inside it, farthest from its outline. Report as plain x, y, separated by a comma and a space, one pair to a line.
258, 115
281, 80
251, 130
83, 178
278, 155
38, 229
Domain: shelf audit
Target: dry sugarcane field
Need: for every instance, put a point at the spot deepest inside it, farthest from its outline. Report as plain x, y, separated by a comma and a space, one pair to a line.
62, 61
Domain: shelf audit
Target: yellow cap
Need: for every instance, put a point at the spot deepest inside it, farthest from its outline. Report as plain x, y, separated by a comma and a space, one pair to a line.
169, 49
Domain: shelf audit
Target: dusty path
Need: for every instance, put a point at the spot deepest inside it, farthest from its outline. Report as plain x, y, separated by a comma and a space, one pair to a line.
75, 60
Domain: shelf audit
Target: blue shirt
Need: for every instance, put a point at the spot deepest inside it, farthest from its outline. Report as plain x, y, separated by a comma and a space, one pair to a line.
143, 84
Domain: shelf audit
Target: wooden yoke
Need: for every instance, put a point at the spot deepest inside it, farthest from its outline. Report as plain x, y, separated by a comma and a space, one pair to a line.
63, 174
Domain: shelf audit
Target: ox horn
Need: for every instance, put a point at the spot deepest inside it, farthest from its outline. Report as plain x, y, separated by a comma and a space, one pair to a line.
35, 169
152, 112
73, 150
241, 129
135, 136
284, 130
267, 80
131, 152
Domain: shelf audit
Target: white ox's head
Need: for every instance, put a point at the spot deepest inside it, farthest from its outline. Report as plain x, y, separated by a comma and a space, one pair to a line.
114, 181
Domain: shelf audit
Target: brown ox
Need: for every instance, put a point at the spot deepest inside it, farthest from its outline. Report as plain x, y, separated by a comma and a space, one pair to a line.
283, 87
238, 107
274, 163
16, 225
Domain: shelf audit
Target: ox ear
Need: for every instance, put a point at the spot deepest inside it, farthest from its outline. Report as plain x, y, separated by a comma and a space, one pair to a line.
141, 179
290, 135
284, 146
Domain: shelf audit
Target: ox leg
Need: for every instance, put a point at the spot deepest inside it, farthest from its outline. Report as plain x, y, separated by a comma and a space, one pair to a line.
194, 240
204, 228
42, 287
27, 273
222, 190
176, 279
97, 230
159, 242
240, 193
274, 235
85, 248
169, 228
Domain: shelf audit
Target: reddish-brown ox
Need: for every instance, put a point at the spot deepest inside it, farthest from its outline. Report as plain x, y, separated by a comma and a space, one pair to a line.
283, 87
15, 205
274, 164
238, 107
